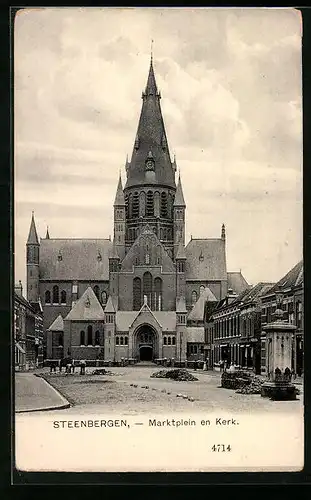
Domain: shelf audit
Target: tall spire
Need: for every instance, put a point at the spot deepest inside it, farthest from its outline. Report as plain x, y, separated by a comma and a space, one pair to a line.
47, 236
33, 236
179, 196
151, 87
151, 136
119, 199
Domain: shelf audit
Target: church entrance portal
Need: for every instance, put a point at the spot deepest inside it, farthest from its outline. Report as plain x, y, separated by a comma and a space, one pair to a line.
145, 353
146, 343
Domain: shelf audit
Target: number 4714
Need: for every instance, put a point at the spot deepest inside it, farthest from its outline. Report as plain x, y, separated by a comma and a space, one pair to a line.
221, 447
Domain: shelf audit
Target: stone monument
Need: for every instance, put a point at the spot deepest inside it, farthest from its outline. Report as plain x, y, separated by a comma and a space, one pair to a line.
278, 352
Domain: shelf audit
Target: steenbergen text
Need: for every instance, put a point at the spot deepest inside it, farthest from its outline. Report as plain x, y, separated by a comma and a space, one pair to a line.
152, 422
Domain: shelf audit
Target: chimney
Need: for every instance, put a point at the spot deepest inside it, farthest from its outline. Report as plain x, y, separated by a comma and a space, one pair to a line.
18, 288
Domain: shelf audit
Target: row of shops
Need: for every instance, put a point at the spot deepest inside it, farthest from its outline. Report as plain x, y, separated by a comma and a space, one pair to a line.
234, 330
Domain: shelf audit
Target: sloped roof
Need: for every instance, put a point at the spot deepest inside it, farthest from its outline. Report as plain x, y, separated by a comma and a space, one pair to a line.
119, 199
250, 294
179, 200
32, 235
87, 308
166, 319
293, 278
57, 325
237, 282
206, 260
197, 312
138, 250
181, 305
81, 259
109, 306
151, 137
195, 333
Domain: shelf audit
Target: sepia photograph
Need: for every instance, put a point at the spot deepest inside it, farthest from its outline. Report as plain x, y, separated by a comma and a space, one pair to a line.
159, 279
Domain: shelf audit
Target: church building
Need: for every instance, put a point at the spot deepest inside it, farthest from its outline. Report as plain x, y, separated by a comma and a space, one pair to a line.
141, 296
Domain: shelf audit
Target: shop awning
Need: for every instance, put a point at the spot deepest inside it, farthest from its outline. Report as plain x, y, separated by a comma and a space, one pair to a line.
19, 347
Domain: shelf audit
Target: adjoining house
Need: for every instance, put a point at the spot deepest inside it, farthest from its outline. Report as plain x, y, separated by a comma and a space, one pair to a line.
291, 288
28, 332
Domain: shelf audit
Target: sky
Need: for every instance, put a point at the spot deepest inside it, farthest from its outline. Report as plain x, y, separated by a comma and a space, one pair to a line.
231, 88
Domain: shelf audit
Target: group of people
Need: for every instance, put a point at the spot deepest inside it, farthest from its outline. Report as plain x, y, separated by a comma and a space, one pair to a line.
69, 365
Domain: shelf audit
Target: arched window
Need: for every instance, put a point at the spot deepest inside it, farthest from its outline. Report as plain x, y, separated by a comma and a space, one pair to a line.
174, 340
202, 288
158, 294
82, 338
136, 294
104, 297
55, 294
96, 291
63, 297
89, 335
126, 198
159, 254
156, 204
142, 204
130, 206
169, 340
48, 297
135, 207
163, 205
147, 287
165, 340
161, 233
194, 297
149, 204
126, 340
170, 205
117, 340
97, 337
121, 340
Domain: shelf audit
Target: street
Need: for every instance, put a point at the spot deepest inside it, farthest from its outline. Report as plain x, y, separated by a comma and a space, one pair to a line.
132, 391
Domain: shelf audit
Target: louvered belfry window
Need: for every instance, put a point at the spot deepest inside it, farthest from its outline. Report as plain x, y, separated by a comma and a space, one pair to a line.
147, 287
149, 204
135, 211
136, 294
164, 205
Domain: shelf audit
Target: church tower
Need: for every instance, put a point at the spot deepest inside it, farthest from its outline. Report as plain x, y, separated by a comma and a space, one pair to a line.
32, 263
119, 221
150, 187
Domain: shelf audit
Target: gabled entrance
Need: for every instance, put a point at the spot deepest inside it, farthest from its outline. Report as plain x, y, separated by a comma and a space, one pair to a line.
146, 343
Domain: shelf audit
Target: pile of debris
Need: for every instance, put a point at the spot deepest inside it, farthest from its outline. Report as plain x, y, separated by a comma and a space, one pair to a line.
235, 380
100, 371
254, 387
178, 374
